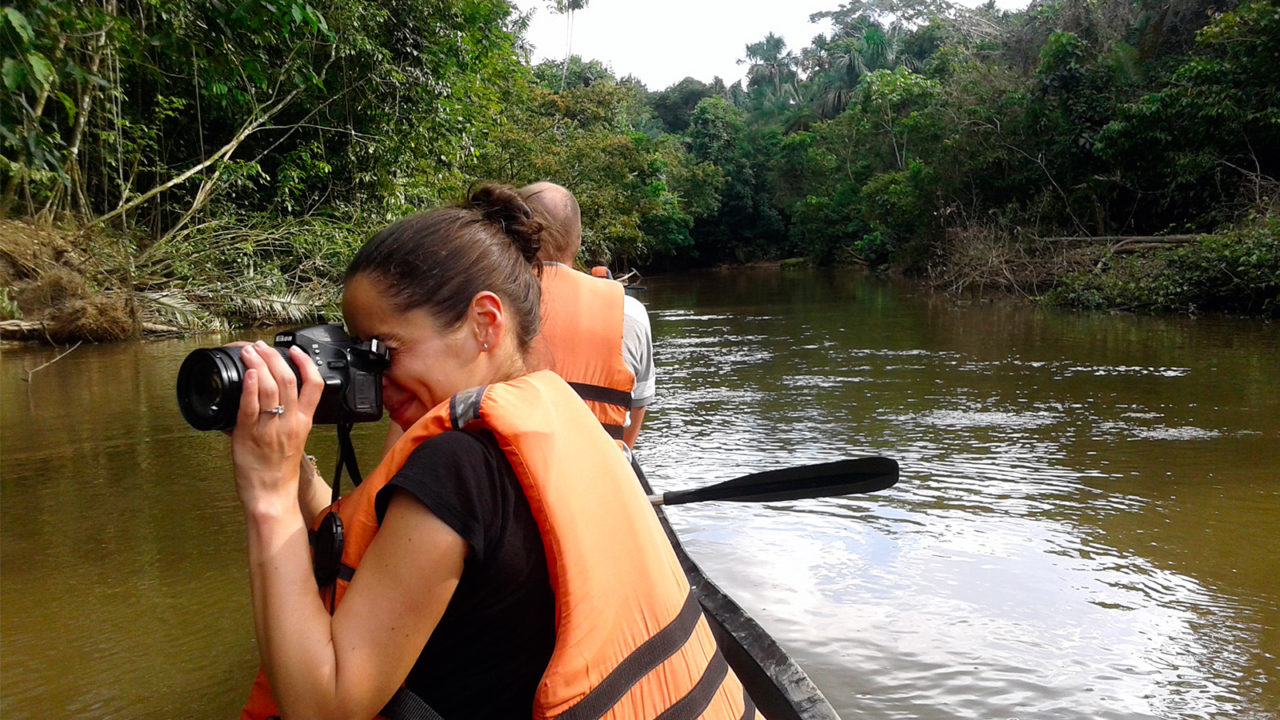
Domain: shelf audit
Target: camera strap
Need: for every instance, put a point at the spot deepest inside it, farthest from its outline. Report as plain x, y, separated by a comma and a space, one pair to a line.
347, 459
327, 540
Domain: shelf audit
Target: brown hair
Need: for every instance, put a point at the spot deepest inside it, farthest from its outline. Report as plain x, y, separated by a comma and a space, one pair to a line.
438, 260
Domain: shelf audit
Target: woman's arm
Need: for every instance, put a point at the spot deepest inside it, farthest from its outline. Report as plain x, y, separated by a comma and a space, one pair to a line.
350, 664
314, 494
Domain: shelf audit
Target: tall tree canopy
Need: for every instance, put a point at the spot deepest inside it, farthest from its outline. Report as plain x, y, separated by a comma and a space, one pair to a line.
236, 153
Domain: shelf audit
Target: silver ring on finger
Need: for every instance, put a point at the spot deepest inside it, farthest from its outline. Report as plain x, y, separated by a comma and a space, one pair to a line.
277, 410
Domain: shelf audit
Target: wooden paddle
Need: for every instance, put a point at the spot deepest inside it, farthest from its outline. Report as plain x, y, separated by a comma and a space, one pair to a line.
842, 477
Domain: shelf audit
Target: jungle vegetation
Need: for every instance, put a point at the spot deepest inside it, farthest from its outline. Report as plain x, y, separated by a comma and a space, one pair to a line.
198, 164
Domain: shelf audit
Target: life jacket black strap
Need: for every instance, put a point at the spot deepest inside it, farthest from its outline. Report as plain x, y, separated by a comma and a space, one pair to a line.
346, 572
602, 394
691, 706
465, 406
748, 707
405, 705
608, 396
652, 653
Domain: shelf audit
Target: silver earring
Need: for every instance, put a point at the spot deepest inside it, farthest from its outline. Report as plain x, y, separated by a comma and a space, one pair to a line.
485, 346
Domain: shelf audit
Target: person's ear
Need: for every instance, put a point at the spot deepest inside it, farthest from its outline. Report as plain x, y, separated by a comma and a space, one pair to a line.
488, 319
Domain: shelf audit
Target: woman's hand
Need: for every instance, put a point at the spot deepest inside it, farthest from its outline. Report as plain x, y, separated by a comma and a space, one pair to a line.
270, 435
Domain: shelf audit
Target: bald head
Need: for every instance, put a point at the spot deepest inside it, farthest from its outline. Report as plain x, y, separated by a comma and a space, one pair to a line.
556, 207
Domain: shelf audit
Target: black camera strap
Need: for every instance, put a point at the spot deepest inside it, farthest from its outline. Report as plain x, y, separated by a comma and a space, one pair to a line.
346, 458
327, 542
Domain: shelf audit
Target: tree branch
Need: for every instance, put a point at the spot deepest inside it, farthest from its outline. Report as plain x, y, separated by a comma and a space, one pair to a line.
245, 131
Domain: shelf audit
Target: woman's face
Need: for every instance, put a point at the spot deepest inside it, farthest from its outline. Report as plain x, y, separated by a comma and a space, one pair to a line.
428, 363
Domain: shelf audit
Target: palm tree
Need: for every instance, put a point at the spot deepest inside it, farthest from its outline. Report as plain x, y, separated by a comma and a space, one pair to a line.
772, 65
567, 8
853, 53
769, 102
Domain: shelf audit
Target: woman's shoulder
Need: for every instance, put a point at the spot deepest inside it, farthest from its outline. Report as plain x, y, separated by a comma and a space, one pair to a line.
464, 479
455, 457
461, 443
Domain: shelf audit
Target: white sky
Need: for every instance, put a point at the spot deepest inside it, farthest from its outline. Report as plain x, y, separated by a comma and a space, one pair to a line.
663, 41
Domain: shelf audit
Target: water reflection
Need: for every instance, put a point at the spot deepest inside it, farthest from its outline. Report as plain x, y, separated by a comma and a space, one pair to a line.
1084, 528
1015, 572
124, 586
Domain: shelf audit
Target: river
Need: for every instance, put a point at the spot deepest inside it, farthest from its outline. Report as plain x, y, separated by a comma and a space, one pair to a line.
1085, 526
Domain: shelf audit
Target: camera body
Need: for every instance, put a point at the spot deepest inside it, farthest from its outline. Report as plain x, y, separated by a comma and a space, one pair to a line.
210, 379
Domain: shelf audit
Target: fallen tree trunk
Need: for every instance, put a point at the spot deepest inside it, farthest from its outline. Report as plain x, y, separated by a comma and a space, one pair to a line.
1124, 238
1128, 243
150, 328
22, 330
39, 330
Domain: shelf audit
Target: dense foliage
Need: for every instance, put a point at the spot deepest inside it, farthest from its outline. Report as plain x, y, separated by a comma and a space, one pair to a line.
1236, 271
228, 157
242, 149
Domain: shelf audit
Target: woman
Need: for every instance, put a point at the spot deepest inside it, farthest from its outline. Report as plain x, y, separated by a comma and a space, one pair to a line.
508, 564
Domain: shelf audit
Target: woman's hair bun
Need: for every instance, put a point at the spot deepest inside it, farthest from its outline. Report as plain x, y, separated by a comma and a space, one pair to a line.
502, 206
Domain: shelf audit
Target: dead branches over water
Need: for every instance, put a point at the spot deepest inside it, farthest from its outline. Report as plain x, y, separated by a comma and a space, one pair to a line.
983, 259
57, 287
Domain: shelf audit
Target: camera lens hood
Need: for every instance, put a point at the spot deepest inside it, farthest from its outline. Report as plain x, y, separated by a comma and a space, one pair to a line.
209, 384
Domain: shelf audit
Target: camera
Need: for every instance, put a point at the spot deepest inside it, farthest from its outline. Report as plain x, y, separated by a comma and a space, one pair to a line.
210, 379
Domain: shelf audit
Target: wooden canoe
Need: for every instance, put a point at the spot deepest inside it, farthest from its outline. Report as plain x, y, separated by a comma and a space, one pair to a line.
779, 687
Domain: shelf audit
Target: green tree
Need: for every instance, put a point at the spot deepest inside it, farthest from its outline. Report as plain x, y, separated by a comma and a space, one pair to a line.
264, 104
770, 64
640, 195
857, 49
675, 104
819, 175
747, 226
242, 149
1207, 145
567, 8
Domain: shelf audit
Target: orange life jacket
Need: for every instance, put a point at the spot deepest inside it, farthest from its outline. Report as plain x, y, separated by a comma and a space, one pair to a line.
631, 639
601, 271
581, 340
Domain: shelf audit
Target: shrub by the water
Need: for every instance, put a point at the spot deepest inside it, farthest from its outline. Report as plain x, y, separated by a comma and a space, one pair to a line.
1235, 272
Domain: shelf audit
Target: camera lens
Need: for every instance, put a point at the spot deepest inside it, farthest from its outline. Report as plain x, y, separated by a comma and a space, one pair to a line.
210, 380
209, 388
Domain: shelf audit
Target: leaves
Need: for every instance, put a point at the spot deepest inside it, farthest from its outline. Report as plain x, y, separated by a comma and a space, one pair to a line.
18, 22
40, 68
13, 74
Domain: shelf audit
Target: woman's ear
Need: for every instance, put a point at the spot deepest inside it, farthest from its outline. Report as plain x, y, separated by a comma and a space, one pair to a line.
487, 319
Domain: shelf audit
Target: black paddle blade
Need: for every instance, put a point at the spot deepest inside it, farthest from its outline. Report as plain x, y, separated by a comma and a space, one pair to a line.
842, 477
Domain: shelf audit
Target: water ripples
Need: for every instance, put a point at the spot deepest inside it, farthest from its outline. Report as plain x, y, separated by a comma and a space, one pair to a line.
999, 578
1084, 526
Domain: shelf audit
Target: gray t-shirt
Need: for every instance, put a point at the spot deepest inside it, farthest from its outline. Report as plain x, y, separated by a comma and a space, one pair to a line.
637, 351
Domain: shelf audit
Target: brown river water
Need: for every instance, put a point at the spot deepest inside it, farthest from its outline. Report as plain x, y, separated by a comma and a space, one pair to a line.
1086, 525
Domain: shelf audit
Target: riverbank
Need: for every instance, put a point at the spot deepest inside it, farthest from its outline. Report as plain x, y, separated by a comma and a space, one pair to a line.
1235, 271
54, 290
62, 285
